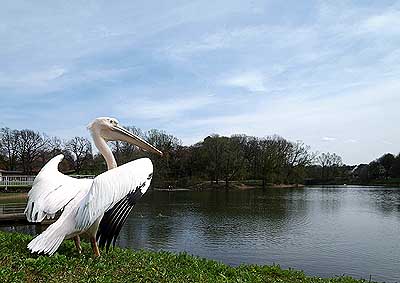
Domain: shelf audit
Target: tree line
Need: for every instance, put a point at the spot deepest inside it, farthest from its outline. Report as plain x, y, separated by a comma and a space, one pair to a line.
216, 159
386, 167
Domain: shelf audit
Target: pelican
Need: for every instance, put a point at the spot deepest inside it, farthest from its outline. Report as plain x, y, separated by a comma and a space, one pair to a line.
95, 207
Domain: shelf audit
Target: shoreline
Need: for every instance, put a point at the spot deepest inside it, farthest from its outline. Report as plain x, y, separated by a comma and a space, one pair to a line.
207, 186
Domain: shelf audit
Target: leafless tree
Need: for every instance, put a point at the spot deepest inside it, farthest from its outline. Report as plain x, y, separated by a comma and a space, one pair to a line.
81, 151
329, 162
298, 156
30, 144
54, 147
8, 147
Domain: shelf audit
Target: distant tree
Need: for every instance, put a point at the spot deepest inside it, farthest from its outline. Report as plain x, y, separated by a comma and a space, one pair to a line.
253, 157
376, 170
329, 162
80, 150
274, 158
30, 144
162, 140
8, 147
362, 172
56, 146
168, 144
212, 152
270, 159
387, 161
232, 157
298, 156
395, 168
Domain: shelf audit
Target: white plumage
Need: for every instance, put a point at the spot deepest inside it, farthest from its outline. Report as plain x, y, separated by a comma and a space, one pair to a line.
87, 203
51, 191
100, 198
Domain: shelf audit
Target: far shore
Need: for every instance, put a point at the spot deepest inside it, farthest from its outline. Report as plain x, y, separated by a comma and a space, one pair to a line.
21, 192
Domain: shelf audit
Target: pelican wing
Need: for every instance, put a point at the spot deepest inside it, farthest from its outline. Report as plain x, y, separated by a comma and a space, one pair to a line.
113, 194
52, 191
114, 218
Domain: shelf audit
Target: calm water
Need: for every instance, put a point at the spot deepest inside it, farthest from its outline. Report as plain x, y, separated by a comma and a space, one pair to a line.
323, 231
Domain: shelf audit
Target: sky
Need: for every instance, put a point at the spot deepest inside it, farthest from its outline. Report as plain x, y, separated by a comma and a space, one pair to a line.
323, 72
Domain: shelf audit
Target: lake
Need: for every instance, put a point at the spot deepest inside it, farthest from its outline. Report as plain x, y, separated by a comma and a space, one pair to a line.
325, 231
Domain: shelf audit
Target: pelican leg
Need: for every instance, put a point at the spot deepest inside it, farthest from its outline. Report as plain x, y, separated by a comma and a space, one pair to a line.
95, 248
77, 241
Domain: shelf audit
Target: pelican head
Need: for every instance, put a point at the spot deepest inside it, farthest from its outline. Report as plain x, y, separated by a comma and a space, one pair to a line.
110, 130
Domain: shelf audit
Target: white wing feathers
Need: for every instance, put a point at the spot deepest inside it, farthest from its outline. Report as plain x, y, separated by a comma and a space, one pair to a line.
112, 186
52, 191
86, 206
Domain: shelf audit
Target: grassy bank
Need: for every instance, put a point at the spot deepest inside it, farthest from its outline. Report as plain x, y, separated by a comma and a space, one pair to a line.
124, 265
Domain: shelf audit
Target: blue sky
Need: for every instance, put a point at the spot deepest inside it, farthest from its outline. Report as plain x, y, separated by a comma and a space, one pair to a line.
324, 72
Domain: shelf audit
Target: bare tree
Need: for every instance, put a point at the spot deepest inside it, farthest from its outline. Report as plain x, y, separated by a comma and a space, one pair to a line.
54, 147
298, 156
81, 151
29, 146
8, 147
329, 162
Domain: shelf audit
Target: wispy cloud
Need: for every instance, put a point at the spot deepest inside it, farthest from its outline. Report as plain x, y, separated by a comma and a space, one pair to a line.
386, 22
163, 108
32, 79
329, 139
351, 141
249, 80
56, 79
387, 142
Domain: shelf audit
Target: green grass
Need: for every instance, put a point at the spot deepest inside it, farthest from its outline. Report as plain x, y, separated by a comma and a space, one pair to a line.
124, 265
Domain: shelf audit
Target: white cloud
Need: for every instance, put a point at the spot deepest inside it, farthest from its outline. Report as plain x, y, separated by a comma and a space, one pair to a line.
164, 108
32, 79
351, 141
242, 39
387, 142
386, 22
254, 81
328, 139
54, 79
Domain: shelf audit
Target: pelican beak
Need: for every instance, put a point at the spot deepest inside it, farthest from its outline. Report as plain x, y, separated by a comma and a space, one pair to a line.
124, 135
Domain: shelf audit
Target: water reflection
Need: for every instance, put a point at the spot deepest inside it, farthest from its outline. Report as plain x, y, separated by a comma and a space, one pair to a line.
323, 231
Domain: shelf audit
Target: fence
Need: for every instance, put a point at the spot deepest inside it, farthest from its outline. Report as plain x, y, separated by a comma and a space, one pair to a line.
27, 181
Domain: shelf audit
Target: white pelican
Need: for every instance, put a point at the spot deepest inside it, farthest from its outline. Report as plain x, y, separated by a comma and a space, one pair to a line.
100, 205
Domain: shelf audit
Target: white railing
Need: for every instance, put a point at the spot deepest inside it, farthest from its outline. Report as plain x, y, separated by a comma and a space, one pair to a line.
27, 181
16, 181
83, 176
